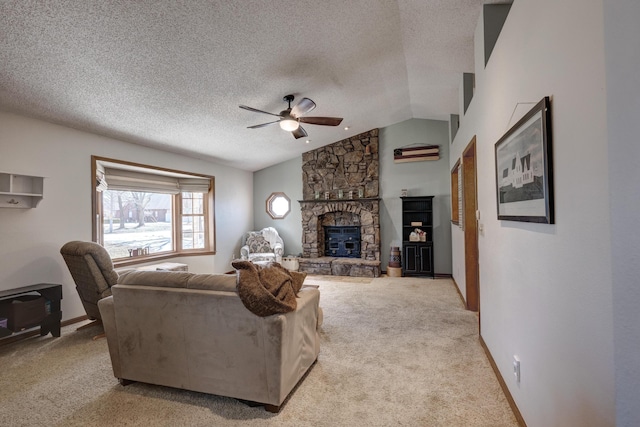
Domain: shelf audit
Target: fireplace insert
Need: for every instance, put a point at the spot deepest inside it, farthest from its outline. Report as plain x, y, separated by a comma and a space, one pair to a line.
342, 241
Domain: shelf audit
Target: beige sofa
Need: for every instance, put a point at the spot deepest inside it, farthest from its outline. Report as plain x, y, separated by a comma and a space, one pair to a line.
192, 331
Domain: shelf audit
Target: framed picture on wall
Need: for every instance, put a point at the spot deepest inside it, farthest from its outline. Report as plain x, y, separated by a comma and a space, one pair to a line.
524, 168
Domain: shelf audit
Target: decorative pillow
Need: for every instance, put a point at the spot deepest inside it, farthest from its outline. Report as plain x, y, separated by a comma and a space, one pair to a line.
257, 243
267, 290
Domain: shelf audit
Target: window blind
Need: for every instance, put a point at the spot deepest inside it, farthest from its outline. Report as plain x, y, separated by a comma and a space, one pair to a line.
126, 180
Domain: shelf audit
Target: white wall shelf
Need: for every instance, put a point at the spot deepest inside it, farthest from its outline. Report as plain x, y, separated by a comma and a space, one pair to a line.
20, 191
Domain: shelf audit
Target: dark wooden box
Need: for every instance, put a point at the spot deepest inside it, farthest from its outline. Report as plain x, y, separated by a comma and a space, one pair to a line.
24, 311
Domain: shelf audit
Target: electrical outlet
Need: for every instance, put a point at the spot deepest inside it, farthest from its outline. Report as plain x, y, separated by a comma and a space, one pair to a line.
516, 368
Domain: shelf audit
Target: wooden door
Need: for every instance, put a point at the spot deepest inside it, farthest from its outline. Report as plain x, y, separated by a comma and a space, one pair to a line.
471, 257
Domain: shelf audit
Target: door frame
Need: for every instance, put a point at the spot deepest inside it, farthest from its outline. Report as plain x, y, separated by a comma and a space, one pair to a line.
470, 203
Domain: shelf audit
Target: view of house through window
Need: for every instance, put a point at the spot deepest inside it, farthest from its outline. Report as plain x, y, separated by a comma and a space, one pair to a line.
145, 212
136, 221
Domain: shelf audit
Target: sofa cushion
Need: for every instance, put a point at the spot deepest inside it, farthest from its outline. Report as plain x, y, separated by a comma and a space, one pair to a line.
213, 282
262, 257
269, 289
165, 279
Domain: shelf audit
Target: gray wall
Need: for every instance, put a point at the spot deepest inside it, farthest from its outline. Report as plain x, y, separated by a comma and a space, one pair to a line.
287, 178
428, 178
622, 60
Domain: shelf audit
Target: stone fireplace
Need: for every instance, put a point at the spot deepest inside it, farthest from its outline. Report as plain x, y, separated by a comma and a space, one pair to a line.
317, 215
341, 188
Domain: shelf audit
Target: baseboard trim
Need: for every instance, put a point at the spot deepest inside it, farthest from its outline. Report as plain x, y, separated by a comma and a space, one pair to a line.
74, 320
503, 384
464, 303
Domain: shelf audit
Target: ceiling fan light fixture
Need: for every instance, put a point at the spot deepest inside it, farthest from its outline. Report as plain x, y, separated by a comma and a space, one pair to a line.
290, 119
289, 124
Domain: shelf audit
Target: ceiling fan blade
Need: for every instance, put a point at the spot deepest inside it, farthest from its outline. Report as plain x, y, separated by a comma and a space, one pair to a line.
299, 133
324, 121
303, 107
244, 107
262, 125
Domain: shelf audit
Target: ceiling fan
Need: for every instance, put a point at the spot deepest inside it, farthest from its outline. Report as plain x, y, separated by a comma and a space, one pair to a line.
291, 118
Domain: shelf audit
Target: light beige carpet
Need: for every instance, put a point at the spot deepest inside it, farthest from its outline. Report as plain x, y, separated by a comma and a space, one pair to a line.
395, 352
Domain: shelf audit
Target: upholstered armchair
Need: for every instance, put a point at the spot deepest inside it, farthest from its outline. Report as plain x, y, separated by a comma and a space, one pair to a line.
263, 245
92, 270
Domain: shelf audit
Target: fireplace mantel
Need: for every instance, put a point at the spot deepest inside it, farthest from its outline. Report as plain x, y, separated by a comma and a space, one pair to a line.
362, 199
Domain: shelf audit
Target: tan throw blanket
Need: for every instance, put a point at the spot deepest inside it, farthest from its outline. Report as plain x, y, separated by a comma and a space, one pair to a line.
268, 290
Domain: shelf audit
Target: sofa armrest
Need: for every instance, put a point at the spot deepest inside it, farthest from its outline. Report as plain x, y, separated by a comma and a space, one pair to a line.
278, 249
320, 312
108, 314
244, 252
309, 295
295, 344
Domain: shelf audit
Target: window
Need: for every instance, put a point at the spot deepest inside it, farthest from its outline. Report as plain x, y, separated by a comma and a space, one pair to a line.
145, 213
193, 220
278, 205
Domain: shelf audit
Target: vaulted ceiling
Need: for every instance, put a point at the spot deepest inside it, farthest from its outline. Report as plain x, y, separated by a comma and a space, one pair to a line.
171, 75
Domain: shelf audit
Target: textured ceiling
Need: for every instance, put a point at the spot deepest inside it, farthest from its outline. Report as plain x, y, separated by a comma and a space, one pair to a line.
171, 74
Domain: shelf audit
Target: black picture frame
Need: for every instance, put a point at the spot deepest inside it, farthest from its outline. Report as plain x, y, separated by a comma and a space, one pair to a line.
524, 168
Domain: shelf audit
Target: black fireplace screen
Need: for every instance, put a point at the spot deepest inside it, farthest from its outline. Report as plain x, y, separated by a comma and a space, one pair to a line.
342, 241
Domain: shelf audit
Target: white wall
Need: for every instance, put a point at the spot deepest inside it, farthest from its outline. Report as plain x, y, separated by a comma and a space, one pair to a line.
622, 54
545, 290
30, 239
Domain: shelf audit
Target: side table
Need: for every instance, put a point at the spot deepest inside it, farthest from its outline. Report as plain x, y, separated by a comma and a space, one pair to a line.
53, 294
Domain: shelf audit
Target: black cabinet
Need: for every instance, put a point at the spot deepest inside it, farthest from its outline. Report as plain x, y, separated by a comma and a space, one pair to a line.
418, 258
23, 311
417, 213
